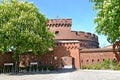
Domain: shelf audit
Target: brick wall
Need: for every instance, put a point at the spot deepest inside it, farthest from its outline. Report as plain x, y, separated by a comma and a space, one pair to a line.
43, 59
6, 58
93, 56
79, 57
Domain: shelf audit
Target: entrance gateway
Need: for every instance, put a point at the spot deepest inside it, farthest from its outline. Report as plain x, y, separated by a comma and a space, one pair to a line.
67, 62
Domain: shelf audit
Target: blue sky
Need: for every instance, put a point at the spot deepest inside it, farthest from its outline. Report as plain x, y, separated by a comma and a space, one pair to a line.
80, 11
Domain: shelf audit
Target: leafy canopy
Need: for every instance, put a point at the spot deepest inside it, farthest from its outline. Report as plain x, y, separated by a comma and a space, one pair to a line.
23, 28
108, 18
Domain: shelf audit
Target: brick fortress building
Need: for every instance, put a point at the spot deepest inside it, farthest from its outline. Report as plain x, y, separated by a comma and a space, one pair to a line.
73, 49
69, 43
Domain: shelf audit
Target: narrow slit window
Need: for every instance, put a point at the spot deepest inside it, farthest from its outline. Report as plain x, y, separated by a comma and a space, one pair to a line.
56, 32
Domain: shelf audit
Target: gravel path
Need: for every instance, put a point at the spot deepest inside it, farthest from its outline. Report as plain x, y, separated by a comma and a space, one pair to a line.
63, 75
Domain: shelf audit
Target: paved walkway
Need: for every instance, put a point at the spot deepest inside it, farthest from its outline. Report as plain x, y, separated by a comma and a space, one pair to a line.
66, 75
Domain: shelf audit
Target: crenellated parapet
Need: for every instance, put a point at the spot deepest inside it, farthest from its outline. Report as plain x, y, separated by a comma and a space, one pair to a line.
87, 40
86, 36
59, 22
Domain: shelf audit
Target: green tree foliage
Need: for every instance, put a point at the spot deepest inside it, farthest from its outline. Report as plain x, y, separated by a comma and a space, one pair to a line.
23, 28
108, 18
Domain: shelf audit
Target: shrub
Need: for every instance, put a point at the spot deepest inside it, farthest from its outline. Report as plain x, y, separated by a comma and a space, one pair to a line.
97, 66
114, 62
106, 64
87, 67
116, 67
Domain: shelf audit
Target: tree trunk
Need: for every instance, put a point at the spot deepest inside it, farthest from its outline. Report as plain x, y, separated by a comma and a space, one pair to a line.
16, 58
16, 66
118, 58
116, 51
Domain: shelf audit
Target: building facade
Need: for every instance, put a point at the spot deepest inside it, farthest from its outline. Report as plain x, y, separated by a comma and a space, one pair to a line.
73, 49
81, 47
69, 43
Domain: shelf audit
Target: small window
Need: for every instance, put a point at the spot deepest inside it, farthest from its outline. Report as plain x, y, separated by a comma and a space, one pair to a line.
56, 32
87, 60
92, 60
114, 59
76, 33
103, 59
98, 60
